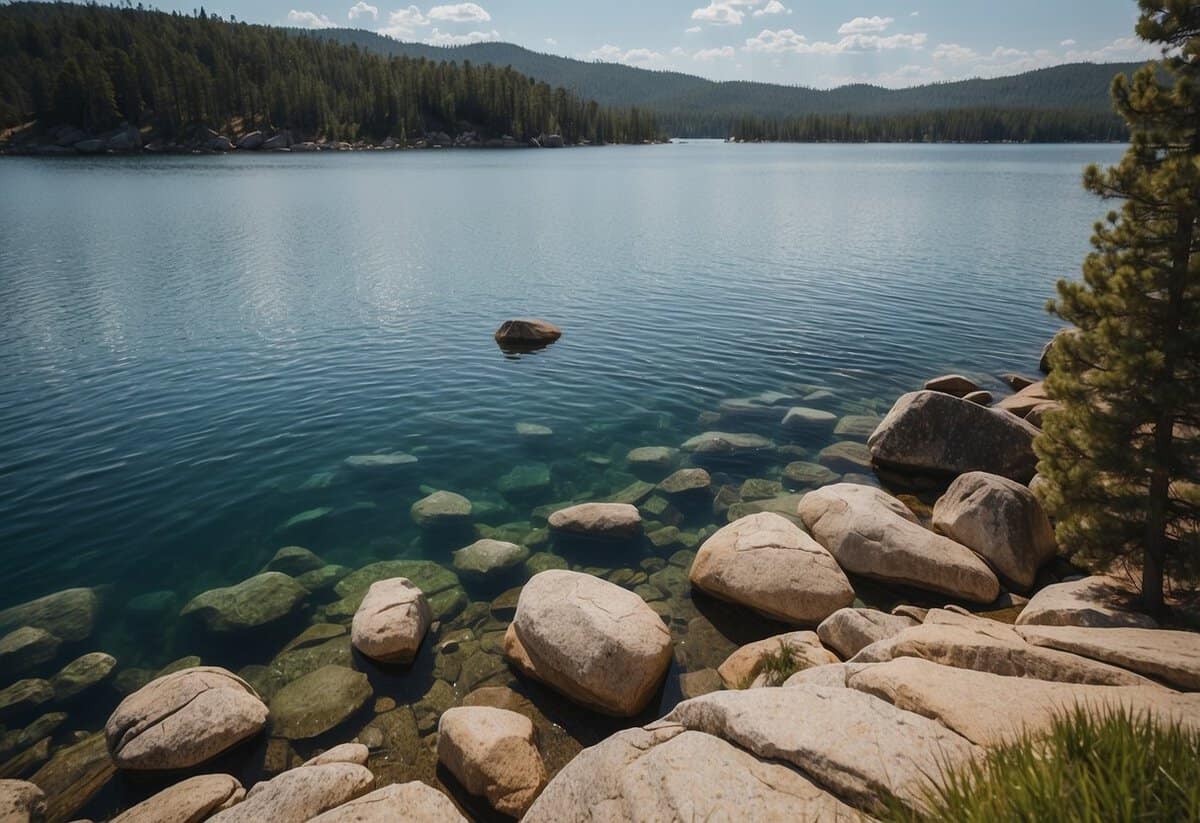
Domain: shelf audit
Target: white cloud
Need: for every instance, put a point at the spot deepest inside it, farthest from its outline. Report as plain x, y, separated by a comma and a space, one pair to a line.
708, 55
692, 30
309, 20
609, 53
460, 13
773, 7
954, 53
787, 40
719, 14
1067, 43
550, 41
361, 9
866, 25
404, 23
443, 38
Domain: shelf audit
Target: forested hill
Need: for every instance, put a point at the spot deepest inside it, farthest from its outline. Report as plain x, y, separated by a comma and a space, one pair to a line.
693, 106
92, 67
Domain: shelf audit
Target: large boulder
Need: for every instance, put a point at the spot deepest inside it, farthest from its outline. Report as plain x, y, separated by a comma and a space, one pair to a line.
849, 631
992, 647
744, 668
527, 331
613, 521
410, 802
935, 433
251, 141
990, 709
491, 752
82, 675
301, 794
27, 648
592, 640
767, 563
860, 748
488, 557
21, 802
1000, 520
1170, 656
1030, 403
1094, 602
440, 585
318, 702
190, 801
871, 533
952, 384
392, 621
183, 719
260, 602
652, 458
69, 615
668, 773
442, 510
802, 421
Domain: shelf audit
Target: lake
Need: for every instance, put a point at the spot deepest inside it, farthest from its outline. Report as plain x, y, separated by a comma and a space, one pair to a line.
192, 347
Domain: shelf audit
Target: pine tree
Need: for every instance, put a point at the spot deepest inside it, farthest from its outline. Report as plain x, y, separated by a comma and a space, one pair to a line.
1121, 459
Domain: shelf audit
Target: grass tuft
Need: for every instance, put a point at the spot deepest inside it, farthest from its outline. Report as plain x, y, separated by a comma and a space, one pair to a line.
1107, 768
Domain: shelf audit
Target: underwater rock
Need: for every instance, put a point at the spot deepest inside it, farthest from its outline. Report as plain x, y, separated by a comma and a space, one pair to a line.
391, 622
486, 557
318, 702
73, 776
767, 563
194, 799
294, 561
871, 533
442, 509
936, 433
846, 457
652, 458
724, 445
598, 644
524, 481
256, 603
544, 561
686, 481
23, 697
69, 615
801, 421
1001, 521
381, 464
616, 521
25, 649
760, 488
491, 752
803, 475
82, 674
534, 432
633, 494
857, 427
184, 719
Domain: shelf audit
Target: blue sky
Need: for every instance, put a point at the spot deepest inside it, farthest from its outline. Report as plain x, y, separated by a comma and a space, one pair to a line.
781, 41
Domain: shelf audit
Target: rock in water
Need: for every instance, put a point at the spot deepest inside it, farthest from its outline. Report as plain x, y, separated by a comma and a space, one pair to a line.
183, 719
492, 754
1000, 520
301, 794
614, 521
257, 603
527, 333
195, 799
409, 802
598, 644
485, 557
767, 563
392, 621
871, 533
442, 510
318, 702
26, 649
952, 384
82, 674
21, 802
68, 615
803, 421
936, 433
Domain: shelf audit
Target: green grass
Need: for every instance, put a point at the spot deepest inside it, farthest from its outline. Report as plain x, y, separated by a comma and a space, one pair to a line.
1110, 768
778, 666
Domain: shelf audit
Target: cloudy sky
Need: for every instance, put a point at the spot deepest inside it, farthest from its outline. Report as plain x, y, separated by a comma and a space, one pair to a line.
810, 42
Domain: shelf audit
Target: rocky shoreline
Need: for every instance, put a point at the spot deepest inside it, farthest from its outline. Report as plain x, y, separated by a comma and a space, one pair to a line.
129, 140
831, 634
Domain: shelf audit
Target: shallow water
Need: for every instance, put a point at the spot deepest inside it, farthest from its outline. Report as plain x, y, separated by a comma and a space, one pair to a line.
191, 347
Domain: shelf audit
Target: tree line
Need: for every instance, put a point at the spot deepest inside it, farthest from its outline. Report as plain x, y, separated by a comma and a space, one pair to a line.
93, 66
956, 125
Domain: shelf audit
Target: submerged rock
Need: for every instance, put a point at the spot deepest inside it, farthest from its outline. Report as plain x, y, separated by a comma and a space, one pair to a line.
857, 426
294, 561
318, 702
809, 475
184, 719
598, 644
656, 458
1000, 520
492, 754
616, 521
803, 421
846, 457
27, 648
442, 509
82, 675
725, 445
73, 776
871, 533
392, 621
379, 463
69, 615
765, 562
933, 432
525, 481
686, 481
23, 697
261, 601
534, 432
485, 557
